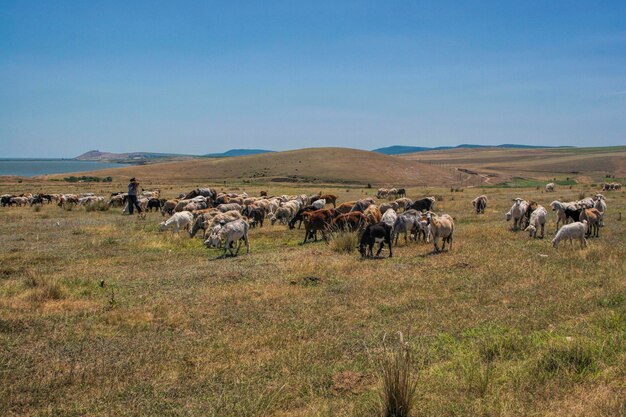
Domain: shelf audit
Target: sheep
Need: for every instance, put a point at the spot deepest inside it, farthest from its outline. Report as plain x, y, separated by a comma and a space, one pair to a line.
373, 214
405, 223
282, 215
549, 187
389, 217
319, 204
592, 217
537, 220
586, 203
230, 206
480, 204
600, 205
179, 220
571, 231
169, 207
517, 211
228, 235
403, 203
441, 227
387, 206
560, 208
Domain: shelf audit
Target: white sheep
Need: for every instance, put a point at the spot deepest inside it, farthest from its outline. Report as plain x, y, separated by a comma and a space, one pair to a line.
319, 204
282, 215
571, 231
227, 235
180, 220
441, 227
389, 217
517, 212
549, 187
537, 220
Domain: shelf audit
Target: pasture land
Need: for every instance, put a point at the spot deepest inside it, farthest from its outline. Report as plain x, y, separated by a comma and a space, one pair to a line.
499, 325
500, 165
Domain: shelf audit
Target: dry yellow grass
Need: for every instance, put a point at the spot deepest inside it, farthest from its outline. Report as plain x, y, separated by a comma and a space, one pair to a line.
542, 164
497, 328
334, 165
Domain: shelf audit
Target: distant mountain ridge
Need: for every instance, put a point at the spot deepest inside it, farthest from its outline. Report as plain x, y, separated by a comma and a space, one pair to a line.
96, 155
237, 152
400, 149
141, 157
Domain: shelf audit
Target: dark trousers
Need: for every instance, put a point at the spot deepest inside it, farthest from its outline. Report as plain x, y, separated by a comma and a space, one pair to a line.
132, 203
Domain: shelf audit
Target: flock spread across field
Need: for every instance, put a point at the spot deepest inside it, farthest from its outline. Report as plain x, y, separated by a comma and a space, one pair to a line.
226, 218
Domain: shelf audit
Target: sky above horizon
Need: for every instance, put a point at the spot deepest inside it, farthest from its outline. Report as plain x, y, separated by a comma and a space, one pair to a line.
201, 77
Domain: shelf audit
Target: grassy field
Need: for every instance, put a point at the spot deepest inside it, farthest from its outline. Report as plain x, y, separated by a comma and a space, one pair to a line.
501, 325
313, 165
583, 164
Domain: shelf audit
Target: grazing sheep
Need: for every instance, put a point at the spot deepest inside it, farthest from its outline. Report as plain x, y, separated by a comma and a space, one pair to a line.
282, 215
537, 220
389, 217
375, 233
230, 206
571, 231
350, 221
592, 217
403, 202
586, 203
169, 207
373, 214
560, 208
601, 207
405, 223
183, 219
387, 206
549, 187
227, 235
517, 212
346, 207
480, 204
441, 227
319, 204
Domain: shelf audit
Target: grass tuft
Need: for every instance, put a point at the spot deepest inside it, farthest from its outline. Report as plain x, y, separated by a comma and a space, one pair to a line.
399, 385
344, 242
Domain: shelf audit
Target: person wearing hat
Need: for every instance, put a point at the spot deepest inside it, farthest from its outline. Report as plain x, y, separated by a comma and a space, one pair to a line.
133, 185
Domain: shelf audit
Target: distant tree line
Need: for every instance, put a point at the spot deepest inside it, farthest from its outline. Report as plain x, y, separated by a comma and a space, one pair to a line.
87, 179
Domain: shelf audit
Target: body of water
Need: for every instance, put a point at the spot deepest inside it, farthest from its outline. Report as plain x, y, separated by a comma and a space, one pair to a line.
34, 167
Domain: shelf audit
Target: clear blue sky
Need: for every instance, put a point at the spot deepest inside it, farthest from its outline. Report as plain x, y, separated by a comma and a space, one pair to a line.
199, 77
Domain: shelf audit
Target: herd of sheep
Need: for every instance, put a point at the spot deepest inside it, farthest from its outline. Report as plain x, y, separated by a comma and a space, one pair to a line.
226, 218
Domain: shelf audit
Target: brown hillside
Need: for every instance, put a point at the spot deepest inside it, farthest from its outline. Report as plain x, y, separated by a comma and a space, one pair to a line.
333, 165
536, 163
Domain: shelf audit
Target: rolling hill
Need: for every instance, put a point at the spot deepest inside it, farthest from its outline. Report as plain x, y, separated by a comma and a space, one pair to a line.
332, 165
536, 163
237, 152
400, 149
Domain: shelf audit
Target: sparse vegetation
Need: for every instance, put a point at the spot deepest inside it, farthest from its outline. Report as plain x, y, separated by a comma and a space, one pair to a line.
102, 314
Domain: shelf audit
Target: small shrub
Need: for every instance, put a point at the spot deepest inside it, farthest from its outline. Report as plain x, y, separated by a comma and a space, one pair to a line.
399, 385
37, 208
581, 195
344, 242
68, 206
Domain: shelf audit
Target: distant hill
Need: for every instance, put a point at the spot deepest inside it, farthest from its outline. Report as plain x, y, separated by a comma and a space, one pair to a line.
399, 149
237, 152
317, 165
96, 155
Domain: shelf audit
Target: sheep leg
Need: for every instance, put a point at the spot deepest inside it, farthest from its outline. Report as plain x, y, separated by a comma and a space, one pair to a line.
380, 248
542, 227
247, 244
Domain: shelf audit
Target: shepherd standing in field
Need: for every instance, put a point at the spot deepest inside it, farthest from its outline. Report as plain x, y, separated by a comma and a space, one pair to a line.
133, 185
